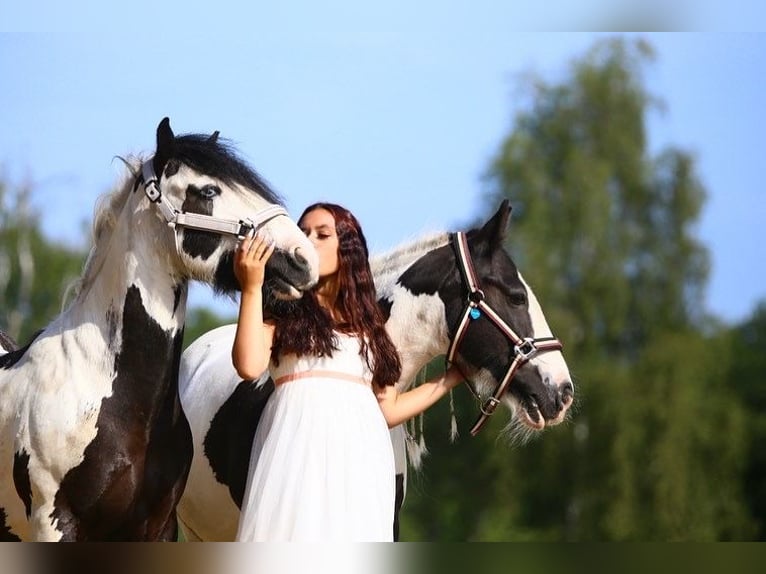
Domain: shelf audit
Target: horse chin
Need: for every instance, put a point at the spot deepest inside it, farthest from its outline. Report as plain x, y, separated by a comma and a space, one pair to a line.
526, 412
531, 416
283, 290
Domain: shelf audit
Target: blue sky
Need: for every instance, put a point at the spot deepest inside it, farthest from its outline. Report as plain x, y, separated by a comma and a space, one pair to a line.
394, 112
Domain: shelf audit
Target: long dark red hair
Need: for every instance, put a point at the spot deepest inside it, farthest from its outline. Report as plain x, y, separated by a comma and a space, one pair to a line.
304, 327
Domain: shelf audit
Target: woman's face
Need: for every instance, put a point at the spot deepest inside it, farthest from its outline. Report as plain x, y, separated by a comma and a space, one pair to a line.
319, 227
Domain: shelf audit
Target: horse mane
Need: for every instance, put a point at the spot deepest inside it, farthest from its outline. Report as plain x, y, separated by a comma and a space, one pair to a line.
105, 216
218, 158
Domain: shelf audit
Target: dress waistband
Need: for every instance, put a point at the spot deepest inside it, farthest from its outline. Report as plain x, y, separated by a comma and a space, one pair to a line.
322, 374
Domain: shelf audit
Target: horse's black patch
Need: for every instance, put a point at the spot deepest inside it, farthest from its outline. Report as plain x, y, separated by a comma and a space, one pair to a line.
172, 168
6, 535
11, 358
134, 471
21, 479
225, 281
218, 159
229, 440
419, 279
398, 503
178, 290
6, 342
385, 307
199, 243
111, 325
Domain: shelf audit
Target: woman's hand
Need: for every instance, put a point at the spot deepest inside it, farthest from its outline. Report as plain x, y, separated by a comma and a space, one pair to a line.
250, 258
400, 407
453, 377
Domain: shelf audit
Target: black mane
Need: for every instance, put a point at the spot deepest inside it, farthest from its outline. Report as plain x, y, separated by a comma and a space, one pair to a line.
218, 159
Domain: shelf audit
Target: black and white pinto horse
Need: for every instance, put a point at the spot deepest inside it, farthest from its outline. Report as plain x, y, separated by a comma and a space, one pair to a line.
94, 444
458, 295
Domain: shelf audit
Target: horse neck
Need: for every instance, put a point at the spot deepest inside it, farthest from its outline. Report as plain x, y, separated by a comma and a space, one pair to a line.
416, 322
136, 254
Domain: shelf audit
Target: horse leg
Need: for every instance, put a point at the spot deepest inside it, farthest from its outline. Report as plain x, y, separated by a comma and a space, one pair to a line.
398, 440
398, 504
6, 534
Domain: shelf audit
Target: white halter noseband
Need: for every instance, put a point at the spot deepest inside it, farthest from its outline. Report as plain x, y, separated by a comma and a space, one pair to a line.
176, 218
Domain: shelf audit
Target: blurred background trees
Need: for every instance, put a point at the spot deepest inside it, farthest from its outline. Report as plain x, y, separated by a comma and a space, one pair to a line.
664, 439
35, 272
662, 444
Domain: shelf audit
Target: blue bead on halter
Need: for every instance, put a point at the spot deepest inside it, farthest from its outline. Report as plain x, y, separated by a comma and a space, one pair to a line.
475, 313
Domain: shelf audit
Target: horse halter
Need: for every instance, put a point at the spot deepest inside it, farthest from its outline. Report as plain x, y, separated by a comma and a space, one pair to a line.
476, 306
176, 218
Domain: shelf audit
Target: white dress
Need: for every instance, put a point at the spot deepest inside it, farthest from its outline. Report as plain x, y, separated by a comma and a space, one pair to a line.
322, 464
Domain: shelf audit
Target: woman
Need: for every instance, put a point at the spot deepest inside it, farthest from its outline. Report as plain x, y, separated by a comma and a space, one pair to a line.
322, 465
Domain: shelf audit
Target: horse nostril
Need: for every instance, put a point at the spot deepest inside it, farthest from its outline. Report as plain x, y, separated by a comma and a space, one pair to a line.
300, 258
564, 396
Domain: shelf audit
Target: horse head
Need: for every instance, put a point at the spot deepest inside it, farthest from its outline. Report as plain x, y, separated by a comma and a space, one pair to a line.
494, 327
212, 199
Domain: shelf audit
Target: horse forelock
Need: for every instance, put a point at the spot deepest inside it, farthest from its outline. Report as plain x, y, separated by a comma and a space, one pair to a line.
218, 159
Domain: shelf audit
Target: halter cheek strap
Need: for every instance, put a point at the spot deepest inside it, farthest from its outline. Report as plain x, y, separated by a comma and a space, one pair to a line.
175, 218
476, 306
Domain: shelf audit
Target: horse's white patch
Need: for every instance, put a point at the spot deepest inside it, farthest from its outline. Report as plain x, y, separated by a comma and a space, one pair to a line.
416, 346
551, 364
49, 401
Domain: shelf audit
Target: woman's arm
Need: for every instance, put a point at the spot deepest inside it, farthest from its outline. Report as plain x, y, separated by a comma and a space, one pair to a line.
251, 350
400, 407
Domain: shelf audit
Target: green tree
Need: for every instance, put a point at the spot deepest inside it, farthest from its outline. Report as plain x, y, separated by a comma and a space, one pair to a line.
200, 320
34, 271
745, 379
604, 232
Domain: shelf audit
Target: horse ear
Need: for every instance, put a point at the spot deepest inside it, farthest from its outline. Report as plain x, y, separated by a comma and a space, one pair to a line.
165, 141
213, 137
495, 229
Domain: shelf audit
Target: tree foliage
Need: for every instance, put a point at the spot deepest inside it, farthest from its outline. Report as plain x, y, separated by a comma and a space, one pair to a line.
200, 320
35, 271
745, 376
604, 232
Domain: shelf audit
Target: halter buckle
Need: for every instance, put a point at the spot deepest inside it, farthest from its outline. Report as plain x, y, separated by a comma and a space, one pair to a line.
152, 191
489, 406
526, 349
245, 227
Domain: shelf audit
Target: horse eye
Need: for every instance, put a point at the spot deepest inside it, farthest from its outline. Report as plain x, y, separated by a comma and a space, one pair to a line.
209, 192
518, 299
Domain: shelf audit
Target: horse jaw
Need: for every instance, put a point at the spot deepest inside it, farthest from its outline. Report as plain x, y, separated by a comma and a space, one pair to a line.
299, 252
